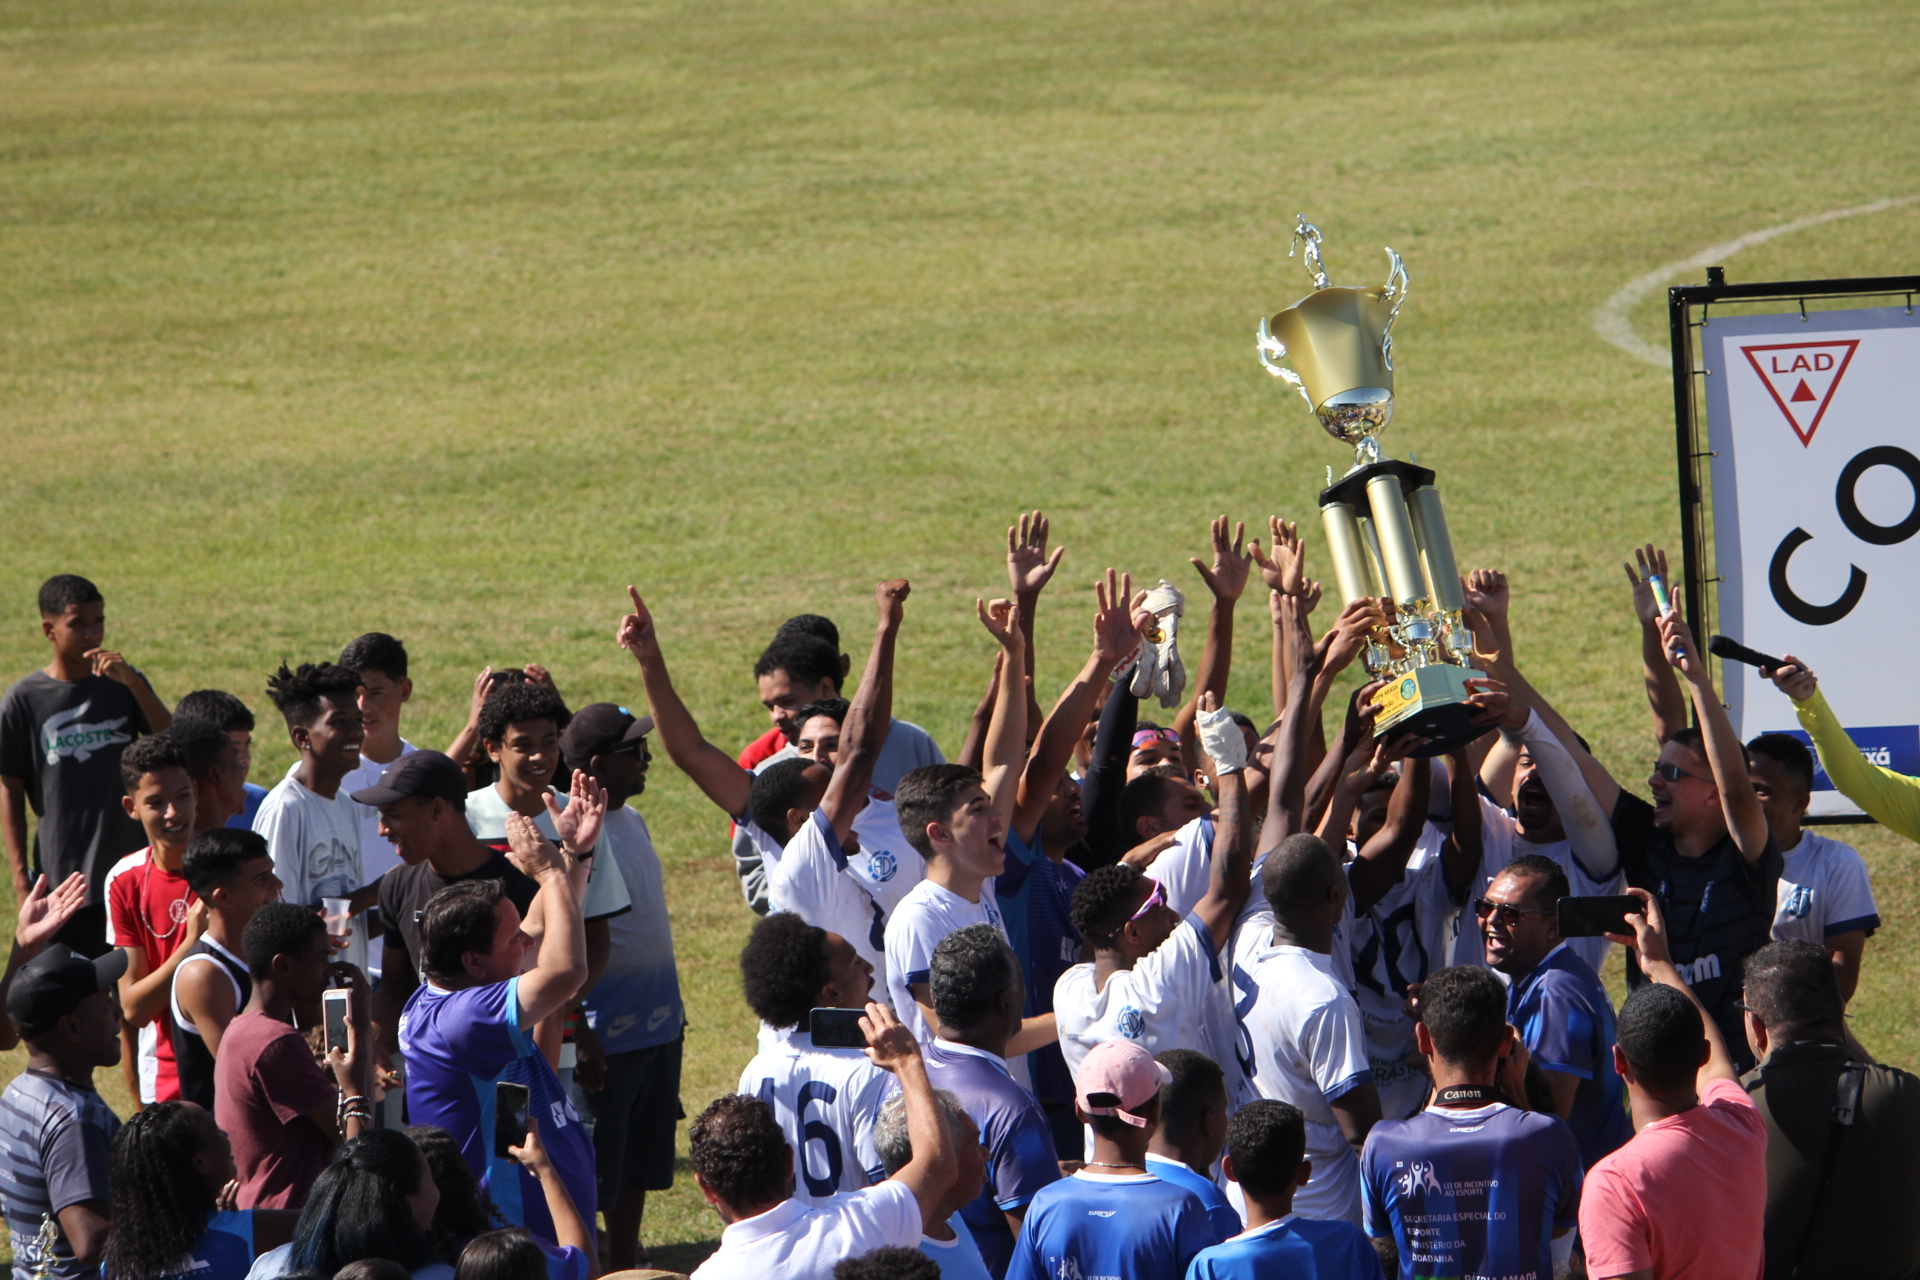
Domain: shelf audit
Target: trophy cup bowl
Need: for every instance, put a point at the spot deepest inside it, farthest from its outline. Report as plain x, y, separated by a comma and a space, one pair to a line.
1384, 523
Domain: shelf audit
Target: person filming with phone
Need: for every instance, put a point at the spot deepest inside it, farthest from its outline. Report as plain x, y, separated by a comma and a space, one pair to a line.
1555, 1000
467, 1030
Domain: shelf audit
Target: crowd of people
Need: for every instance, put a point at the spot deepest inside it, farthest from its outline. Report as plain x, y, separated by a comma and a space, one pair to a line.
1222, 998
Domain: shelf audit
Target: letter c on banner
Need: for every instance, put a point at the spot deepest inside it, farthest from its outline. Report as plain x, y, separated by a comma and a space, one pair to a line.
1880, 535
1813, 615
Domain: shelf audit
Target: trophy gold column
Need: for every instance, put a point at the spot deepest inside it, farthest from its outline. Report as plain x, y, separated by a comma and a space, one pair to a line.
1386, 530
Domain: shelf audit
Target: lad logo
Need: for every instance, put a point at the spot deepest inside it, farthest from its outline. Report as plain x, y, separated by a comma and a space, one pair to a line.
1802, 377
65, 734
881, 866
1130, 1023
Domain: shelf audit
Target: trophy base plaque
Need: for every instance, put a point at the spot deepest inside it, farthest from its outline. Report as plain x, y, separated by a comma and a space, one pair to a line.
1430, 701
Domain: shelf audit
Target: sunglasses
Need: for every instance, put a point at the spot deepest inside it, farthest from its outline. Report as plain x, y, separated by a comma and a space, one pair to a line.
1673, 773
1147, 737
1508, 913
1157, 898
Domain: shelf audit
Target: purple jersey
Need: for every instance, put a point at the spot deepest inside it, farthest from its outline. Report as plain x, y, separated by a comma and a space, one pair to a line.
458, 1045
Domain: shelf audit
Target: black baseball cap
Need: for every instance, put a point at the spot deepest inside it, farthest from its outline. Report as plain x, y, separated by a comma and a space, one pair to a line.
52, 984
599, 728
427, 774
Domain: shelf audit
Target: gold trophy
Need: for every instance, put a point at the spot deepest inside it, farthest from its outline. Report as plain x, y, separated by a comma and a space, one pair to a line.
1385, 526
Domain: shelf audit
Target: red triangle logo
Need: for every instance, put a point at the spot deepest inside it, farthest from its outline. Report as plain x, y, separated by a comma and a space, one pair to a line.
1811, 369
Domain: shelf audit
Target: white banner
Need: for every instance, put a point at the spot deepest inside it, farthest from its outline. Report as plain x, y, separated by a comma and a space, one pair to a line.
1815, 428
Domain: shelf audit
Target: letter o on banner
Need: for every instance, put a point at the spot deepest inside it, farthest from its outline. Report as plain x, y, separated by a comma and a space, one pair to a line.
1880, 535
1802, 611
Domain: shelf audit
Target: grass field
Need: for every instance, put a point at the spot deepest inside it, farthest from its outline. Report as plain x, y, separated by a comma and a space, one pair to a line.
449, 318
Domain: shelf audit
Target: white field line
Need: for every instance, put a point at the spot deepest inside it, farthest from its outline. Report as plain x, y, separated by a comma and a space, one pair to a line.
1611, 319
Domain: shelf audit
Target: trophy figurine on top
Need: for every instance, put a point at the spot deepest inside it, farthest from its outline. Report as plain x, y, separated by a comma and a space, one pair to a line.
1385, 527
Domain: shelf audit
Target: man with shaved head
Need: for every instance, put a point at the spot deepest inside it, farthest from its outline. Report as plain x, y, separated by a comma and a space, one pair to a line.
1309, 1043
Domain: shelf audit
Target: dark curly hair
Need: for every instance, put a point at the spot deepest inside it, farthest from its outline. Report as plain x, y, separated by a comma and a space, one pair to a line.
968, 971
1661, 1036
1465, 1011
1267, 1141
1104, 900
297, 692
226, 712
782, 968
465, 1208
206, 744
277, 929
160, 1202
834, 709
889, 1262
805, 658
511, 704
739, 1151
1550, 877
63, 591
776, 789
215, 857
150, 755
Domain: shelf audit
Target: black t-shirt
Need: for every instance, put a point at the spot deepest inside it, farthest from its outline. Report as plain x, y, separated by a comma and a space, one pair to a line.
1865, 1227
1719, 910
64, 741
406, 890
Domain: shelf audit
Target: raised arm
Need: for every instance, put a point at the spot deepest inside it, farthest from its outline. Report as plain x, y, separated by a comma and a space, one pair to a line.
1665, 701
1383, 859
109, 663
1287, 780
1115, 635
1232, 861
1005, 749
1889, 798
1324, 788
868, 717
1461, 853
974, 749
1746, 821
1029, 569
561, 966
1649, 941
1226, 579
1588, 826
930, 1172
715, 772
570, 1230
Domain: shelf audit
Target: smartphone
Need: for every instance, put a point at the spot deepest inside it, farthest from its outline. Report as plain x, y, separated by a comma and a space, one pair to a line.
509, 1117
334, 1004
1591, 917
837, 1029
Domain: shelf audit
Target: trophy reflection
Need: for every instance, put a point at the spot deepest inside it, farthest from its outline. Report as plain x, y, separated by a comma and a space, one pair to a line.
1386, 529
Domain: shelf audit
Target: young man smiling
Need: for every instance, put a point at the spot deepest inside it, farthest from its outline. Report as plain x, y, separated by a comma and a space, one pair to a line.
381, 662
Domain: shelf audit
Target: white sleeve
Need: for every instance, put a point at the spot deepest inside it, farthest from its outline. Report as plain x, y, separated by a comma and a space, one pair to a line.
285, 832
1185, 868
606, 888
882, 1215
1845, 898
1335, 1043
802, 881
909, 951
1184, 968
1589, 831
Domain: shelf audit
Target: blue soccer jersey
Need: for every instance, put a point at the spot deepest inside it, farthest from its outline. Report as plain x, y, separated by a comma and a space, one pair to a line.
458, 1046
1220, 1211
1093, 1225
1472, 1193
1291, 1248
1565, 1017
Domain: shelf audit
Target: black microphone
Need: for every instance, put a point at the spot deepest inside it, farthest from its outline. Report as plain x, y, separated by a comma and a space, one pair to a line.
1728, 647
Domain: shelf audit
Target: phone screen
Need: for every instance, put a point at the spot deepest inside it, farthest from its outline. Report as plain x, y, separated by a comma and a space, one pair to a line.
333, 1003
1591, 917
837, 1029
509, 1117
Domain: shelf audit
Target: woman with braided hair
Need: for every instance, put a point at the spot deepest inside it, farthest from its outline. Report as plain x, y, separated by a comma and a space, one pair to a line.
171, 1174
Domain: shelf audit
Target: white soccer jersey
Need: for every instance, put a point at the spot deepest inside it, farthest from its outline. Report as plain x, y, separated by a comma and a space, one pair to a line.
886, 866
1185, 867
1309, 1047
826, 1101
1500, 843
811, 880
1168, 1000
926, 915
1403, 938
792, 1241
1824, 890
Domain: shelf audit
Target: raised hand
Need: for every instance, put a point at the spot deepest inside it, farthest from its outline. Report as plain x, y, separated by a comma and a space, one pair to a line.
1795, 679
43, 914
537, 674
1001, 618
1648, 560
1227, 578
1493, 705
1029, 568
530, 850
1284, 570
1310, 595
1116, 630
890, 1044
1676, 639
531, 1153
482, 686
635, 631
109, 663
579, 823
891, 598
1488, 594
1350, 632
1649, 936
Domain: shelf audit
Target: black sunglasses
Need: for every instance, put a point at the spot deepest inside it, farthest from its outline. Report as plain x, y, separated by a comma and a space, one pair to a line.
1509, 914
1673, 772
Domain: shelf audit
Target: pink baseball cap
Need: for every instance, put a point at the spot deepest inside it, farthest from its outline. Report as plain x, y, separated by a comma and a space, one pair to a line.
1117, 1077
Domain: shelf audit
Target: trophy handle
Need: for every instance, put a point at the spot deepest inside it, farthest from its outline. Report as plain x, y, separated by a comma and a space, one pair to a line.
1270, 347
1396, 291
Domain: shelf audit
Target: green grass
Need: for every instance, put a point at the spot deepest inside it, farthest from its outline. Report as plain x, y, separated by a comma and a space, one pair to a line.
451, 318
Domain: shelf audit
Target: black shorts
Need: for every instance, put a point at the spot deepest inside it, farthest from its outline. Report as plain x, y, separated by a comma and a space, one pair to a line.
634, 1120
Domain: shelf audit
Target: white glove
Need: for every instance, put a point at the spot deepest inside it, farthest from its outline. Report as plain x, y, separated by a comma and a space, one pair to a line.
1160, 670
1225, 744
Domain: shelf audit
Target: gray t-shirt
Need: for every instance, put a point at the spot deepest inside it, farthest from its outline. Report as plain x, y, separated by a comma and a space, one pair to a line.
54, 1139
64, 741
